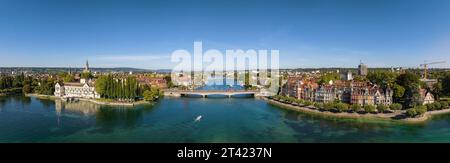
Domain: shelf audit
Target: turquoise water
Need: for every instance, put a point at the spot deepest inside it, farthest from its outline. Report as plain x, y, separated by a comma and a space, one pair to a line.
25, 119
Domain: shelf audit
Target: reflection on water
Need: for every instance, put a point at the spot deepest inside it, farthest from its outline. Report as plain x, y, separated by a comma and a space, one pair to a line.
83, 108
25, 119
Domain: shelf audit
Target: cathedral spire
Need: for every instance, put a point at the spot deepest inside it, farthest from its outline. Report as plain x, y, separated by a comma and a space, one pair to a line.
86, 68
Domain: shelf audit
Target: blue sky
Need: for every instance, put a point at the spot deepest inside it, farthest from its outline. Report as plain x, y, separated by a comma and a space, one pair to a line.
143, 34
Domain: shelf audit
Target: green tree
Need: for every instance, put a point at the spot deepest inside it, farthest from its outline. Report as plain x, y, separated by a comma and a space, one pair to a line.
26, 89
381, 108
369, 108
152, 94
341, 107
325, 78
69, 78
396, 106
86, 75
446, 84
398, 92
411, 83
356, 108
411, 112
383, 78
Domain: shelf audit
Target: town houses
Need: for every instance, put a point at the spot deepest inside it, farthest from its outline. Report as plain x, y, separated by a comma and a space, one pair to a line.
351, 92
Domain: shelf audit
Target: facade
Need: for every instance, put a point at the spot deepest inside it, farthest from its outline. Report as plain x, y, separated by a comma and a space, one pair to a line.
83, 89
325, 94
425, 97
364, 93
351, 92
80, 90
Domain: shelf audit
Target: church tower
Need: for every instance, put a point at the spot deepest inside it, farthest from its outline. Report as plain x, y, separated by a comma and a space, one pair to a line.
86, 68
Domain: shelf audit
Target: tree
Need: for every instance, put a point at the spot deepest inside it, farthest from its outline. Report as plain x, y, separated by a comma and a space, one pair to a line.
69, 78
369, 108
86, 75
411, 112
421, 109
356, 108
444, 104
396, 106
436, 90
341, 107
446, 84
26, 89
325, 78
381, 108
383, 78
411, 83
398, 92
152, 94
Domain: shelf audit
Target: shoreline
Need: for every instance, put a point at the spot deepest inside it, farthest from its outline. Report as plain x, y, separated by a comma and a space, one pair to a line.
385, 116
51, 97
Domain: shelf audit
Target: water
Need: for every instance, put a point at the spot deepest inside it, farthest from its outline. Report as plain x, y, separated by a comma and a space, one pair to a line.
25, 119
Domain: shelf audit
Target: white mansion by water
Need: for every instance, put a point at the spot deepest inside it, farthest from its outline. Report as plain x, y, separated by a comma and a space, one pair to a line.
83, 89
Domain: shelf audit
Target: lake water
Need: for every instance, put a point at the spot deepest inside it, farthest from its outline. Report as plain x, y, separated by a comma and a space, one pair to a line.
25, 119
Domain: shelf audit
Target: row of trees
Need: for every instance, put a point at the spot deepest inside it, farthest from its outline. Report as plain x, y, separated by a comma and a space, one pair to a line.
114, 88
26, 84
125, 89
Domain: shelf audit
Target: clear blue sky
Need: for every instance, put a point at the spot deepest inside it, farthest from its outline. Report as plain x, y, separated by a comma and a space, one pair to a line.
143, 34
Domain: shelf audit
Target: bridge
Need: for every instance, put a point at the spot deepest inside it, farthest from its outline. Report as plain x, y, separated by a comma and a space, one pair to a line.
206, 93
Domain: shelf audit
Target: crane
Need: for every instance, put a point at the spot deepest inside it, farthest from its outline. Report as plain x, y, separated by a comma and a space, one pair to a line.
425, 67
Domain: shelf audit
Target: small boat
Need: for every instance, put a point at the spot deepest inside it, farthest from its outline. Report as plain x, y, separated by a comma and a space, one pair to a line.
198, 118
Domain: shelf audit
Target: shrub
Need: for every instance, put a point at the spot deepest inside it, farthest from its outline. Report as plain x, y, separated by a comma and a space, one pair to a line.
381, 108
396, 106
356, 108
318, 105
341, 107
307, 103
437, 105
444, 104
430, 107
328, 106
417, 110
369, 109
421, 109
411, 112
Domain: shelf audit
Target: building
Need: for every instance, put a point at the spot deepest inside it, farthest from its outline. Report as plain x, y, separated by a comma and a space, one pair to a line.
159, 82
425, 97
325, 94
74, 89
86, 67
364, 93
83, 89
306, 90
347, 76
362, 69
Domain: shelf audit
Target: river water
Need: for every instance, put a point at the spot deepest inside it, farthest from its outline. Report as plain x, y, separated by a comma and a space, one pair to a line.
28, 119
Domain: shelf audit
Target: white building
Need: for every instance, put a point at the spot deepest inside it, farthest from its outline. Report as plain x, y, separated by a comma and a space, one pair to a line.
81, 90
84, 89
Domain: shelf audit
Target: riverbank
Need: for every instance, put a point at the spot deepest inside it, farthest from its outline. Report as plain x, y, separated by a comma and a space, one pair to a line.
110, 103
398, 115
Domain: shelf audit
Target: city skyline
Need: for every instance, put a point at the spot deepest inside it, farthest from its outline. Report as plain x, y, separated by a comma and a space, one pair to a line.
143, 34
